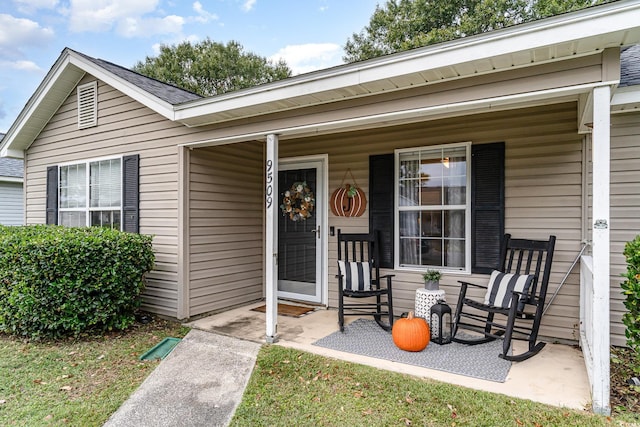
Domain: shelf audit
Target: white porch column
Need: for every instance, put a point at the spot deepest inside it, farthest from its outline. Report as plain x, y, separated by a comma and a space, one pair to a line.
601, 248
271, 247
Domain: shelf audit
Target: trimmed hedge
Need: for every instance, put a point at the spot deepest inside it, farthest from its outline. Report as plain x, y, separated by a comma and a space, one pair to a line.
631, 290
59, 281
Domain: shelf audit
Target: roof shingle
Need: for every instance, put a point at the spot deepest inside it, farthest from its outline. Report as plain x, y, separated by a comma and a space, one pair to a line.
630, 66
168, 93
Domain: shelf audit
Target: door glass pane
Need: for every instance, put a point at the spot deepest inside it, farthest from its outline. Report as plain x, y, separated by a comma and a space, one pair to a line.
296, 237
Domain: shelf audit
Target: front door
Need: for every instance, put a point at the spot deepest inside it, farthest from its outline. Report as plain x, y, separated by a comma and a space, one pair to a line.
299, 235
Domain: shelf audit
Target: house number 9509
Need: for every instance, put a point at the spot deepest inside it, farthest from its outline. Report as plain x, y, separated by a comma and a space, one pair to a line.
269, 194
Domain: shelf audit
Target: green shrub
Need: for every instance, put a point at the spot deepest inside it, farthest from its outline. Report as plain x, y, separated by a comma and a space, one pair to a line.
59, 281
631, 289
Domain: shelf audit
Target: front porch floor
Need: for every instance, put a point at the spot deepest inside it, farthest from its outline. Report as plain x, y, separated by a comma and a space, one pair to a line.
556, 376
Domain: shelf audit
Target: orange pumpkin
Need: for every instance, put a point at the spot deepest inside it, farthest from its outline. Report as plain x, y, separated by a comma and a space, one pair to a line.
411, 333
344, 205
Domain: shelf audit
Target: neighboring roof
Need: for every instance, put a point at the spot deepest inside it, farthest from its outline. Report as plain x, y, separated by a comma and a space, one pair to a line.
585, 32
10, 168
630, 66
169, 93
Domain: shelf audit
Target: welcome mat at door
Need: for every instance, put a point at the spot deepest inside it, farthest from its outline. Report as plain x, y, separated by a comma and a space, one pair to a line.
287, 310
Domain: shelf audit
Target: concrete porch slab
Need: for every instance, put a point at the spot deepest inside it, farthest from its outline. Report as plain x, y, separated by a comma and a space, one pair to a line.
556, 376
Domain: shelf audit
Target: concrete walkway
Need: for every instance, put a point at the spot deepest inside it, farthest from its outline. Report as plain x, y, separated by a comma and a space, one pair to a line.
200, 383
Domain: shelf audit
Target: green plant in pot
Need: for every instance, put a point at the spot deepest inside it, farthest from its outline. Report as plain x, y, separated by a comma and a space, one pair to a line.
432, 280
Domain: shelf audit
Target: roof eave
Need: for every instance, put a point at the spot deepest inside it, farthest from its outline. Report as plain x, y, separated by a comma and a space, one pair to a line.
59, 82
584, 32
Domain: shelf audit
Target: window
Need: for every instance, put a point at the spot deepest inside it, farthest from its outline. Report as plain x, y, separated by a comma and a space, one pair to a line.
91, 194
433, 207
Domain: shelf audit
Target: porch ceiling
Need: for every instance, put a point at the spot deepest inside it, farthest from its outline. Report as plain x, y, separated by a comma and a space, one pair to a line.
563, 37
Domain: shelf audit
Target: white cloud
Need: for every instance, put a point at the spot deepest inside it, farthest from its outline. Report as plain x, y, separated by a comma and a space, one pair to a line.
24, 66
146, 27
191, 39
30, 6
203, 15
18, 33
304, 58
248, 5
103, 15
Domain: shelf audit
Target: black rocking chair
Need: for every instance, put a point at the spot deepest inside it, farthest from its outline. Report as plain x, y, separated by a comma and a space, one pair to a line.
359, 277
516, 293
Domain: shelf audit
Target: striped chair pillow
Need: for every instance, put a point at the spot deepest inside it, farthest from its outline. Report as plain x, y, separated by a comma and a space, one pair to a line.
356, 275
501, 285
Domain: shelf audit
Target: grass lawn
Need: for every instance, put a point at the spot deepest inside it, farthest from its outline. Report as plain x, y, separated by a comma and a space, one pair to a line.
75, 382
82, 382
293, 388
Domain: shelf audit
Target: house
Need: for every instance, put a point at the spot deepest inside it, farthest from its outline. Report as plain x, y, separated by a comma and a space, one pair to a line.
530, 130
11, 198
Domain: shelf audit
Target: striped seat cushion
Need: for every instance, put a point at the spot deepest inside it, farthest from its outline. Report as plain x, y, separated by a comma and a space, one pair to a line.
356, 275
501, 285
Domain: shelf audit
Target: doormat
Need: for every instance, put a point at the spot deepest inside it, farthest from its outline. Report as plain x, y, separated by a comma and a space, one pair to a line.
287, 310
161, 350
366, 338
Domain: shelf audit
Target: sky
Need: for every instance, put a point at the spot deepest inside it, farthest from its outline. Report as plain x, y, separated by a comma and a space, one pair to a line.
307, 34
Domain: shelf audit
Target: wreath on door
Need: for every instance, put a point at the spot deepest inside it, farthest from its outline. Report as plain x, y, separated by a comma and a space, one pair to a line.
298, 202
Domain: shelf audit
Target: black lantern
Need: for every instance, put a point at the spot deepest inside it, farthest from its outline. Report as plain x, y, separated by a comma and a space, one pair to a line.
440, 323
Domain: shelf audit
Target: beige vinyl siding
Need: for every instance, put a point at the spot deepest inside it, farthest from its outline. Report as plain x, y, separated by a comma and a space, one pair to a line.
124, 127
225, 227
625, 208
543, 190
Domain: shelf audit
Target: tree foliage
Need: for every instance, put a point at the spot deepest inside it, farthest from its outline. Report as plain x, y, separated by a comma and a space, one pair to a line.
210, 68
400, 25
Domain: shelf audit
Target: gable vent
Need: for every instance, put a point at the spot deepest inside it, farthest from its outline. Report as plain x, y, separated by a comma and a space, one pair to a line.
88, 105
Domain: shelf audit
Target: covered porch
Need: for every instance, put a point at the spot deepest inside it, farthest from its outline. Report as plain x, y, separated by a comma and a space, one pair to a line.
557, 376
536, 93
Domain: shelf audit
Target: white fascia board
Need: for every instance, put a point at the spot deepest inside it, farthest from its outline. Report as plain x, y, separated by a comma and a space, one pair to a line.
145, 98
591, 23
12, 153
404, 116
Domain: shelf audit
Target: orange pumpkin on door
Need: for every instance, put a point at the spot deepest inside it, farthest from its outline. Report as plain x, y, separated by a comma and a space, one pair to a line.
348, 201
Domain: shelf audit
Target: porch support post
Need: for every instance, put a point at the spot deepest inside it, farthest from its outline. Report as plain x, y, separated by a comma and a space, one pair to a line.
601, 249
271, 247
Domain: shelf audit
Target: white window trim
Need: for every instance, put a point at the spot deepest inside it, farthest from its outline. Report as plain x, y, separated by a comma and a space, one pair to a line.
396, 210
88, 209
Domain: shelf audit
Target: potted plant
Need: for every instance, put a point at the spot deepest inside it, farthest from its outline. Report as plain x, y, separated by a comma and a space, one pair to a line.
431, 280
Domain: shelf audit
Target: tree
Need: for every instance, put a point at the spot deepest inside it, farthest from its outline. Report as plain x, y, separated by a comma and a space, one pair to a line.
400, 25
209, 68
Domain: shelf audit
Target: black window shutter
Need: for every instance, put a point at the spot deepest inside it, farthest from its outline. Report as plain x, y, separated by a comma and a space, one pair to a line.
52, 195
130, 193
487, 206
381, 208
